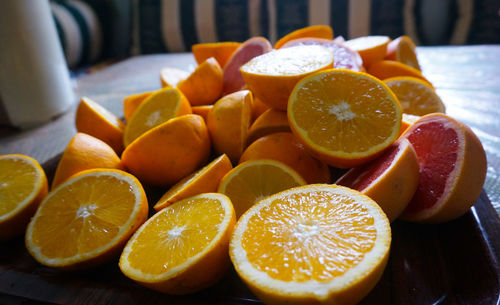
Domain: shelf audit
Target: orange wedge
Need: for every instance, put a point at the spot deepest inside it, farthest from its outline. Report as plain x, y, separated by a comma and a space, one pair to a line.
205, 180
255, 180
87, 220
316, 31
23, 185
183, 248
407, 121
370, 48
204, 85
315, 244
84, 152
202, 110
170, 77
272, 76
132, 102
221, 51
385, 69
258, 108
271, 121
160, 107
344, 118
95, 120
402, 49
415, 95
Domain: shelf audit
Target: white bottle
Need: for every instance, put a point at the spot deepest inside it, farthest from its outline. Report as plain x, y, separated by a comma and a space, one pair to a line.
34, 79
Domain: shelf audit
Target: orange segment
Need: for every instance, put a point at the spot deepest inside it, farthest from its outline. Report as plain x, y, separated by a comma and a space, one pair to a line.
286, 148
415, 95
316, 31
87, 220
385, 69
255, 180
258, 108
228, 123
271, 121
205, 180
402, 49
170, 77
202, 110
183, 248
272, 76
370, 48
221, 51
132, 102
315, 244
84, 152
23, 185
345, 118
160, 107
95, 120
204, 85
390, 180
169, 152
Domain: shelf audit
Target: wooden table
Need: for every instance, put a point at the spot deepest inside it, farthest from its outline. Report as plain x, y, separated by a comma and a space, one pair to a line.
457, 263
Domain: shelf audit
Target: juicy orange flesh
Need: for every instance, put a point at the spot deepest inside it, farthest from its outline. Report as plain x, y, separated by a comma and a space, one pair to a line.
17, 180
307, 236
367, 42
254, 183
83, 216
415, 98
346, 113
111, 118
181, 231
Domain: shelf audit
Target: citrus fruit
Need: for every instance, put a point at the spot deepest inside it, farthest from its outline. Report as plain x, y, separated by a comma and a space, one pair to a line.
415, 95
205, 180
95, 120
407, 121
160, 107
170, 151
221, 51
402, 49
385, 69
286, 148
233, 81
184, 247
258, 108
272, 76
271, 121
170, 77
204, 85
316, 31
315, 244
390, 180
202, 110
228, 123
343, 57
87, 219
84, 152
23, 185
344, 118
132, 102
255, 180
370, 48
452, 169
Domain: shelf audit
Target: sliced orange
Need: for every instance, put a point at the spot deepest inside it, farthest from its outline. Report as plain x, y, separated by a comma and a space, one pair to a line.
415, 95
390, 180
228, 123
23, 185
160, 107
170, 77
258, 108
202, 110
272, 76
184, 247
205, 180
407, 121
132, 102
286, 148
370, 48
204, 85
316, 31
87, 220
252, 181
221, 51
170, 151
402, 49
315, 244
95, 120
385, 69
271, 121
84, 152
344, 118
